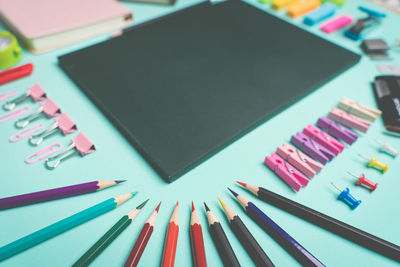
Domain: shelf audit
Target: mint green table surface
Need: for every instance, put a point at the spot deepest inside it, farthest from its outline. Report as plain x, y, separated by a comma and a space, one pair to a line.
378, 214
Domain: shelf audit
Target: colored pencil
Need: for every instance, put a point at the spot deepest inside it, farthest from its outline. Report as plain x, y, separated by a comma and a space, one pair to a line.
142, 240
247, 240
108, 237
61, 226
196, 241
326, 222
56, 193
287, 242
220, 240
171, 240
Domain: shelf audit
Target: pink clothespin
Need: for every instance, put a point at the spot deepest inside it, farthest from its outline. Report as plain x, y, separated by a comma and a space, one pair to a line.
286, 172
63, 123
80, 143
26, 132
336, 23
349, 120
36, 93
311, 148
337, 131
43, 153
48, 108
302, 162
6, 95
15, 114
324, 139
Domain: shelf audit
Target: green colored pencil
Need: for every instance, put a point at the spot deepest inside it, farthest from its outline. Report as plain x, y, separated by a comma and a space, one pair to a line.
108, 237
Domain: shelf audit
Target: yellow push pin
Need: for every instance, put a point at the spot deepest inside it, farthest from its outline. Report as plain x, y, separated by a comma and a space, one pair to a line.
374, 163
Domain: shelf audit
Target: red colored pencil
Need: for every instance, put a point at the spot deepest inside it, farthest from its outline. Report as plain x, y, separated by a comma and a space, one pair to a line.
196, 241
142, 240
171, 240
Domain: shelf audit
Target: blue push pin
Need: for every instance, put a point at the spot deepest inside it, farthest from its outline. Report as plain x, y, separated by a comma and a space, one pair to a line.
346, 197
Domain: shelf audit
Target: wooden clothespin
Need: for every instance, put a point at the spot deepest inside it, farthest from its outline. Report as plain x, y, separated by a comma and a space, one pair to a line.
349, 120
362, 111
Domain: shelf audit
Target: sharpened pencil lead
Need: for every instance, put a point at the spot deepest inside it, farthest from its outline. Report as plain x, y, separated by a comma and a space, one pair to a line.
142, 205
233, 192
241, 183
205, 205
119, 181
222, 203
177, 203
134, 193
192, 206
158, 207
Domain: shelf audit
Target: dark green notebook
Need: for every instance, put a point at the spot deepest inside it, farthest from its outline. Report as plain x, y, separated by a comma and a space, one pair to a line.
184, 86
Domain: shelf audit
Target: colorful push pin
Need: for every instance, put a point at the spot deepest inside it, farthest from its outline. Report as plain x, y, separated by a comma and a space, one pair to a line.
386, 148
364, 181
346, 197
374, 163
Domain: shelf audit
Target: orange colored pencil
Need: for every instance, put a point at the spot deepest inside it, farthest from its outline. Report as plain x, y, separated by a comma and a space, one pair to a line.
196, 241
171, 240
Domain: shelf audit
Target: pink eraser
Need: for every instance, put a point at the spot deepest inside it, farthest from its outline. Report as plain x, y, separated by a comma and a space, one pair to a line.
337, 23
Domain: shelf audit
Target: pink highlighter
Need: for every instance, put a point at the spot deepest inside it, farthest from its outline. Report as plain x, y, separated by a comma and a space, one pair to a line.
336, 24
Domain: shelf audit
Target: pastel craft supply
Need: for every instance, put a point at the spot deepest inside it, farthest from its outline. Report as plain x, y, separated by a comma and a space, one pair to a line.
364, 182
43, 153
300, 8
14, 114
325, 11
389, 69
347, 198
281, 4
337, 130
357, 109
294, 178
311, 148
386, 148
349, 120
36, 93
376, 164
337, 2
48, 108
299, 160
336, 23
62, 124
80, 143
324, 139
26, 132
6, 95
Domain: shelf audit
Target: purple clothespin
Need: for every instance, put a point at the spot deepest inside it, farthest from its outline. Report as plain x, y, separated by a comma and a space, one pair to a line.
337, 131
312, 148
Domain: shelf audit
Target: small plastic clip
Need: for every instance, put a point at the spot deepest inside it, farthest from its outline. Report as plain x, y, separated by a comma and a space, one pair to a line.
300, 8
26, 132
15, 114
337, 131
281, 4
336, 23
362, 111
6, 95
325, 11
386, 148
349, 120
311, 148
35, 92
48, 108
364, 182
63, 123
374, 163
43, 153
347, 198
80, 143
324, 139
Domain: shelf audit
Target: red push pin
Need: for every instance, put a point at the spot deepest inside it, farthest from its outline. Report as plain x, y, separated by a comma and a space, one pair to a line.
364, 181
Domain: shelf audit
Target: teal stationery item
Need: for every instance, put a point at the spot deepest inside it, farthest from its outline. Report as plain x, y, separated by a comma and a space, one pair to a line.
325, 11
61, 226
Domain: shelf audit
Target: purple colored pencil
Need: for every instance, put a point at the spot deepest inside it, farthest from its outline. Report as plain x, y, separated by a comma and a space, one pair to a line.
56, 193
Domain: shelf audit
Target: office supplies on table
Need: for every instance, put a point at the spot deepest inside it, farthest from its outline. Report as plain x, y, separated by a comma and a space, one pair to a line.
43, 153
24, 133
386, 148
108, 237
36, 93
14, 114
311, 148
336, 23
55, 27
347, 198
196, 241
15, 73
325, 11
324, 139
220, 240
375, 48
364, 182
365, 25
375, 164
389, 69
349, 120
337, 131
81, 144
163, 2
281, 4
10, 51
62, 124
56, 193
165, 117
171, 240
287, 242
337, 2
47, 108
61, 226
6, 95
247, 240
286, 172
300, 8
362, 111
142, 240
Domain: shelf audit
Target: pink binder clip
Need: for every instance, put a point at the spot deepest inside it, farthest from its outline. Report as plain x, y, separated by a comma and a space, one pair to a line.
286, 172
302, 162
349, 120
337, 131
6, 95
35, 92
48, 108
15, 114
311, 148
43, 153
82, 145
64, 124
324, 139
336, 24
26, 132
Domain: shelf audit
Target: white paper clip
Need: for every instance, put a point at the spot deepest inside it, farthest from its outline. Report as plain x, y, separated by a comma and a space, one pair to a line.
35, 92
48, 108
386, 148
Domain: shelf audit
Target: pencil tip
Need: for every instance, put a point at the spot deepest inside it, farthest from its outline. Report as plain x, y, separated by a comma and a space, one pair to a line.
222, 203
205, 205
192, 206
241, 183
233, 192
177, 203
142, 205
158, 207
119, 181
134, 193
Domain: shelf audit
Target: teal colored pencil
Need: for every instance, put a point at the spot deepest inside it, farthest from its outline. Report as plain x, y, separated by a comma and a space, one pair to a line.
61, 226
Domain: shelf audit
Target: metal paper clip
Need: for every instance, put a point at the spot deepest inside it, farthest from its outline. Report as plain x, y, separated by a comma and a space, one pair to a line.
15, 114
26, 132
43, 153
48, 108
6, 95
35, 92
82, 145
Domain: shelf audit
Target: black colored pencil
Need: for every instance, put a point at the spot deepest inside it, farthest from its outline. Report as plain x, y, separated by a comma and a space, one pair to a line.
248, 242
